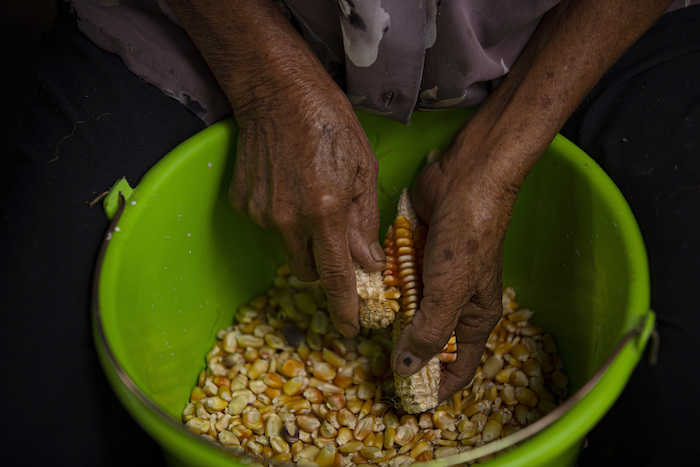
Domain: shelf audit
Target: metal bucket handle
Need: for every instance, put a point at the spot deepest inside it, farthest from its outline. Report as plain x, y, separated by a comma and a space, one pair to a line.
642, 329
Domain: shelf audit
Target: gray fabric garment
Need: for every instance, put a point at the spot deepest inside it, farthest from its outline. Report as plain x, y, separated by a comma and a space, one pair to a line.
156, 48
390, 56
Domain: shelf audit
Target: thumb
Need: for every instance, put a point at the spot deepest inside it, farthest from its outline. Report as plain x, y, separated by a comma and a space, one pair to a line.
444, 295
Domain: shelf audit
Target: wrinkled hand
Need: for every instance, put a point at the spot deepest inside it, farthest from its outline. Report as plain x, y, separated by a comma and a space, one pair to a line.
303, 167
467, 213
306, 170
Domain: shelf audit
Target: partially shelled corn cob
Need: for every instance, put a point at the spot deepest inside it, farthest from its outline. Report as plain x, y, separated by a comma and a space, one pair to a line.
283, 385
403, 245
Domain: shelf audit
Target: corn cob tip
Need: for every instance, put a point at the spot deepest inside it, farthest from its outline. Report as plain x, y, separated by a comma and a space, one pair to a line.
405, 209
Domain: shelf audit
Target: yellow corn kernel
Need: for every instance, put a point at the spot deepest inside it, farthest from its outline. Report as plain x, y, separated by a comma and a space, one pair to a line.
292, 368
295, 386
326, 456
308, 423
351, 446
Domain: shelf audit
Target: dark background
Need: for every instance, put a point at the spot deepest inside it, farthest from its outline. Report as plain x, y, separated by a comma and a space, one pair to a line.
21, 26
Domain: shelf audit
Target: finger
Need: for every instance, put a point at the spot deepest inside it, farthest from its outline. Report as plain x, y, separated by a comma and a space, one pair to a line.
337, 275
472, 332
422, 339
363, 232
299, 256
239, 192
424, 191
237, 196
474, 327
248, 200
363, 216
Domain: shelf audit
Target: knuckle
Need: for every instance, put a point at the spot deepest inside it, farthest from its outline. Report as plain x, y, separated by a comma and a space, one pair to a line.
285, 221
326, 206
475, 324
369, 223
446, 292
236, 202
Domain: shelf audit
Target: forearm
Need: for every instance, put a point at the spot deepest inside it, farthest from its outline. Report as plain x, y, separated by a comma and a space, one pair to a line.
253, 51
575, 44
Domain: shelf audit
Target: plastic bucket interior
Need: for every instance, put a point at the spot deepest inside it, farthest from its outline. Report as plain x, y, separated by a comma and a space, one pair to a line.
178, 262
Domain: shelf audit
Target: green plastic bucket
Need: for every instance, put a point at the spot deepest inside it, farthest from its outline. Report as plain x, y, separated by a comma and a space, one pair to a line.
178, 261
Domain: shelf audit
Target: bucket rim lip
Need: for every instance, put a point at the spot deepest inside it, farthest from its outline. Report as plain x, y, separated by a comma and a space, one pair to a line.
211, 452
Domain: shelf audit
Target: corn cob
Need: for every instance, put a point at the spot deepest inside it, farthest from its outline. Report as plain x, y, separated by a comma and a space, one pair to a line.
418, 392
402, 279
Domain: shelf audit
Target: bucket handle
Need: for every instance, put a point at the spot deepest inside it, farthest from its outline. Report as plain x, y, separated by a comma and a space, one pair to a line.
643, 329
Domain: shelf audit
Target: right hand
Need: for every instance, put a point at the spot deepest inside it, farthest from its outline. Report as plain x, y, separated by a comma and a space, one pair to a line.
305, 169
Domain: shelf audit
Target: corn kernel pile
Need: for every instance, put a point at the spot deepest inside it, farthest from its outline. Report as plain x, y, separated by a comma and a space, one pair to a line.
283, 385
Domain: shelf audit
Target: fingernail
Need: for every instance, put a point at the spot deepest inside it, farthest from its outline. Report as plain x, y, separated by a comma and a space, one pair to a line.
377, 252
407, 364
348, 330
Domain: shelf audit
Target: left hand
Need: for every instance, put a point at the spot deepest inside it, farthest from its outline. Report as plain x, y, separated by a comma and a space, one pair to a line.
467, 197
467, 212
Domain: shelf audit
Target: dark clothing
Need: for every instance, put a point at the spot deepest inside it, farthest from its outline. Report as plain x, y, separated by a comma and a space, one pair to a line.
642, 125
94, 121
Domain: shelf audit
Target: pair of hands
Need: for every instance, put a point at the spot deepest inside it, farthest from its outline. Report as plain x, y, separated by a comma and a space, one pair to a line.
305, 169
